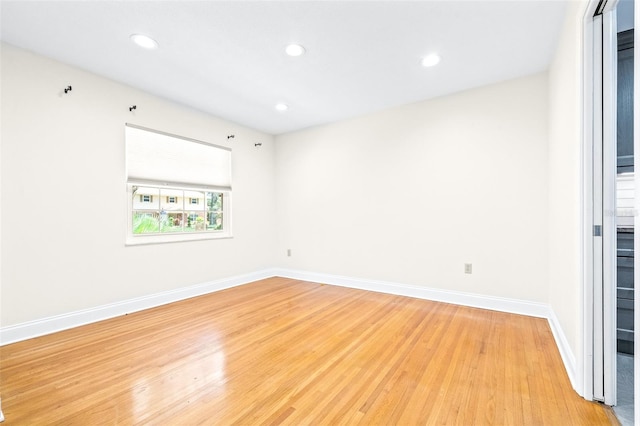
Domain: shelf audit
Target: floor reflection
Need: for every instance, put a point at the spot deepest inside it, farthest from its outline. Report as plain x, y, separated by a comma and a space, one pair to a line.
179, 380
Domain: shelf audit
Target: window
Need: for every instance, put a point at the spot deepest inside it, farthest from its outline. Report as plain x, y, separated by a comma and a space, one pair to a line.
153, 218
178, 189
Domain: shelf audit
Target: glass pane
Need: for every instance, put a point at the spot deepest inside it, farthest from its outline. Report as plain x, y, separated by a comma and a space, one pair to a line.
194, 200
214, 211
171, 200
145, 198
145, 222
214, 201
171, 221
214, 221
195, 221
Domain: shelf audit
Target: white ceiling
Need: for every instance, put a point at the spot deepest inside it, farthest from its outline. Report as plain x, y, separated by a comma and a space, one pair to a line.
227, 57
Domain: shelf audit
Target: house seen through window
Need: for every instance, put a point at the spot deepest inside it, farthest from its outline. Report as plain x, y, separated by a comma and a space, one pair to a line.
173, 214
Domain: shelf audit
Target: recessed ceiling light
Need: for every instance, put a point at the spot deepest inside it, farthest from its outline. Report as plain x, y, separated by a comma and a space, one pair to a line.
295, 50
282, 107
144, 41
430, 60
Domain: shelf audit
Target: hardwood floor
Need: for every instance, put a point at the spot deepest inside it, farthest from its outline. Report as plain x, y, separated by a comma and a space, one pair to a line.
281, 351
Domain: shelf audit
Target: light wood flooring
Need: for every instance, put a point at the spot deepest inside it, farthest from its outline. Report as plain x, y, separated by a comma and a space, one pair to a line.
281, 351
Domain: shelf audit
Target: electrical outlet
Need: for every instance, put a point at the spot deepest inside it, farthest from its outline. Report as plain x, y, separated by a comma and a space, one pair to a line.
289, 252
468, 268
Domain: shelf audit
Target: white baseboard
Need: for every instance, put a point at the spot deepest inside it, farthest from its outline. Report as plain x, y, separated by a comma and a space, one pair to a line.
41, 327
50, 325
568, 358
515, 306
501, 304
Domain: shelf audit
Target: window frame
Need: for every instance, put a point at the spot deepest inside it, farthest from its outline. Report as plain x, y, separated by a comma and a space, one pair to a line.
221, 183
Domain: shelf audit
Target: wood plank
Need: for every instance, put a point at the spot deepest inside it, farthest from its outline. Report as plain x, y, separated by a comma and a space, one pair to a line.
281, 351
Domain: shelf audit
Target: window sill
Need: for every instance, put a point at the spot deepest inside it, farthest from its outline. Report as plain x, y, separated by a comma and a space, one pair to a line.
137, 240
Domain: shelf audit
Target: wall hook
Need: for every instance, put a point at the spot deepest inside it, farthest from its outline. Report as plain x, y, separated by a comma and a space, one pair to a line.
231, 137
257, 145
132, 107
67, 89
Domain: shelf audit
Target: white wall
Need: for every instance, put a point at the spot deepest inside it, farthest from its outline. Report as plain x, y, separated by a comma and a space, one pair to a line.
565, 189
410, 194
63, 153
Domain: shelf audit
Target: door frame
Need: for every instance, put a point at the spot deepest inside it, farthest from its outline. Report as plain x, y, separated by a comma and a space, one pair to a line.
599, 201
589, 74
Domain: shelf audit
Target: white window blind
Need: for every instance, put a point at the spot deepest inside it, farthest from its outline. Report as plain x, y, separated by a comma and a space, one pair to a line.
153, 156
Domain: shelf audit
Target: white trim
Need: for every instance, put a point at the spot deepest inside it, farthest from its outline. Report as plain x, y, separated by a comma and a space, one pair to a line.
41, 327
609, 172
587, 243
598, 210
568, 358
502, 304
494, 303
